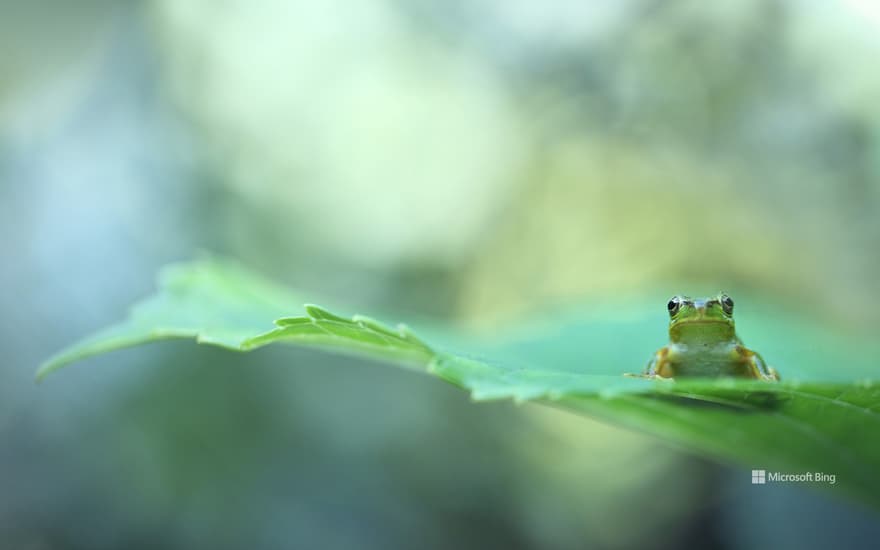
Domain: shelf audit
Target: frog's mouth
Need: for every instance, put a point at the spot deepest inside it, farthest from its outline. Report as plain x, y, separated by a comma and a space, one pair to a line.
707, 322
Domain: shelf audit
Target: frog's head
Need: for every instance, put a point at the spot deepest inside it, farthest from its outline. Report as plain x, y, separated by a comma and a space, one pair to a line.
701, 319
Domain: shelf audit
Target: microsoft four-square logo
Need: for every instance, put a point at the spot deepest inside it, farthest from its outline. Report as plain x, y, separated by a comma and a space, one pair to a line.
759, 477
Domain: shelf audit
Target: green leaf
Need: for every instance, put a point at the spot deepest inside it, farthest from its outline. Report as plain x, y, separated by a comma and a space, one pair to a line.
824, 417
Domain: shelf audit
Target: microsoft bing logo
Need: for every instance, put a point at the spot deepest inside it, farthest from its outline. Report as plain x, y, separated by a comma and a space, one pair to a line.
761, 477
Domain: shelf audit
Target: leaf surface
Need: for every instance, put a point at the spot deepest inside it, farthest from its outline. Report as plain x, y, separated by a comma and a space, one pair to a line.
823, 418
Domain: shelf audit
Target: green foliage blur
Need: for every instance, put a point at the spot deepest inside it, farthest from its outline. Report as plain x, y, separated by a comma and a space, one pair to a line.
466, 161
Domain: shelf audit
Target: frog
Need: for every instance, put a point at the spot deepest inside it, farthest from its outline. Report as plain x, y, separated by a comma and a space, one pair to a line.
703, 342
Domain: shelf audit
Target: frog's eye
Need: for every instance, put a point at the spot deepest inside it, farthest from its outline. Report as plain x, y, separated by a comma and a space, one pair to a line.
673, 306
727, 304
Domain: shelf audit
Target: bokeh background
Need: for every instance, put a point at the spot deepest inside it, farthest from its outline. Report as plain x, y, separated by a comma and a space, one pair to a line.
469, 161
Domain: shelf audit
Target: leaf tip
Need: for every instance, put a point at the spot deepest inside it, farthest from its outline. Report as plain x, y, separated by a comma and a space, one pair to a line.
318, 313
46, 368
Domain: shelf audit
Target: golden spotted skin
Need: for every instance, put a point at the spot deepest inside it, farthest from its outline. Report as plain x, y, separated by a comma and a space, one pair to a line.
703, 342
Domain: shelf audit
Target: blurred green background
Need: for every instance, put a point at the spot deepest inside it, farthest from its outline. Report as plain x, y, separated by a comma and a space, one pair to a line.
469, 161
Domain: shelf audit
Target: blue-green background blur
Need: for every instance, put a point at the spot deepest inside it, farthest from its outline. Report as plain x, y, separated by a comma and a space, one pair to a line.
464, 160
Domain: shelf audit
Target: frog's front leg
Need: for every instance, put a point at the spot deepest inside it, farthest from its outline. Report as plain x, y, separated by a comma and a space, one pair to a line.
658, 367
762, 370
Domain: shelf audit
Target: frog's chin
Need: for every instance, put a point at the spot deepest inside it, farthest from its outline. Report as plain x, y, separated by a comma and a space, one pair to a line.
702, 329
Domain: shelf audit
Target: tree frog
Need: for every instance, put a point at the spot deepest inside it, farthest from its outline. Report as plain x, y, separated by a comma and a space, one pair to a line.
703, 342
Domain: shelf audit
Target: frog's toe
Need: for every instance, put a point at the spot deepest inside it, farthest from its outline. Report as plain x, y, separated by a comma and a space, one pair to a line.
649, 376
